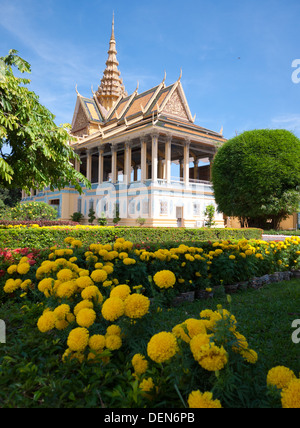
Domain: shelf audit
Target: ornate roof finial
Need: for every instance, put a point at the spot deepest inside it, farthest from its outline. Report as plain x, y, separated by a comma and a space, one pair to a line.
111, 86
113, 27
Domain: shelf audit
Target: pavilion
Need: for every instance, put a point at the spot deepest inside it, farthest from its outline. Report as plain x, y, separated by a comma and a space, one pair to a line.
143, 154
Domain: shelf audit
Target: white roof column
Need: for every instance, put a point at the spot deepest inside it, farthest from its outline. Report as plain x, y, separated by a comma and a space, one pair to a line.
143, 160
128, 162
154, 157
114, 164
168, 148
89, 165
186, 163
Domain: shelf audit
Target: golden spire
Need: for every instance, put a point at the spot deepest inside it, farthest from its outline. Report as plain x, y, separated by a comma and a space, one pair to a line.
111, 86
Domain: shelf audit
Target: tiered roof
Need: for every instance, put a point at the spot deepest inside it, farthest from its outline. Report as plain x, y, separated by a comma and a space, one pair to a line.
163, 107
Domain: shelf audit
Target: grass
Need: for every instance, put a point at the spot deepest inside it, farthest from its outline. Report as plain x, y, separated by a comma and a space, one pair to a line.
31, 373
264, 317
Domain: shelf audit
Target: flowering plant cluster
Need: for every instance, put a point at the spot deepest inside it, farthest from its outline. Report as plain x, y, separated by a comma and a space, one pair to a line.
100, 304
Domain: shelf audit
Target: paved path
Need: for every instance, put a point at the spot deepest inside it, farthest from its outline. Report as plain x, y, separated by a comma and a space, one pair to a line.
274, 237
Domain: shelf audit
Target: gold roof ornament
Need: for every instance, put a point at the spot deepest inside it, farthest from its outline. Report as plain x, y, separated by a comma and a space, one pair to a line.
111, 87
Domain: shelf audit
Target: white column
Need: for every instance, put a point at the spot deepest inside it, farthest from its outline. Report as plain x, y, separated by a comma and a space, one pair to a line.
186, 164
143, 160
114, 164
154, 157
89, 165
168, 160
100, 166
127, 162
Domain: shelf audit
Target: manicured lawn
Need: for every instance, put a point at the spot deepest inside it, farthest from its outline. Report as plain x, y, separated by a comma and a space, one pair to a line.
265, 317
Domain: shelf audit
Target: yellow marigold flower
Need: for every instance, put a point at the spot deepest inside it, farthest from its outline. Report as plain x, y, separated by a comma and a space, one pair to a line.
97, 342
84, 281
83, 304
140, 364
76, 243
136, 306
61, 324
46, 322
162, 347
108, 269
12, 269
123, 255
66, 289
99, 275
128, 261
122, 291
62, 311
68, 240
232, 257
147, 385
25, 284
23, 268
84, 272
188, 329
280, 377
113, 342
241, 343
86, 317
113, 308
248, 252
46, 284
78, 339
65, 275
10, 286
164, 279
98, 265
197, 343
213, 358
197, 400
290, 397
250, 356
92, 293
113, 330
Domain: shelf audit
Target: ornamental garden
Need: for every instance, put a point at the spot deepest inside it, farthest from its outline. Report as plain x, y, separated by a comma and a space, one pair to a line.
108, 321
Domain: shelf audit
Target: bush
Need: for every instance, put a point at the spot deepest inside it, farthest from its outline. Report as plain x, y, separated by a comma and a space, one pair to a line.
8, 224
260, 171
77, 216
30, 211
46, 237
102, 221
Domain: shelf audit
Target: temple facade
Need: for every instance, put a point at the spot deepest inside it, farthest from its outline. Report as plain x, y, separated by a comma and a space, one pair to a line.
143, 154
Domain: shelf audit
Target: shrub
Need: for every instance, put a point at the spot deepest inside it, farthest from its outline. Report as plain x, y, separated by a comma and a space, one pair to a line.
102, 221
77, 216
164, 237
31, 211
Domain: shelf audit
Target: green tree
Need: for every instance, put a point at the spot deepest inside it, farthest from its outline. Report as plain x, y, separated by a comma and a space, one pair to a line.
256, 177
91, 215
209, 214
34, 151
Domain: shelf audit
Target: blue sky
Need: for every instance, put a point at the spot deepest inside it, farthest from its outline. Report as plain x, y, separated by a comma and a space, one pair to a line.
236, 56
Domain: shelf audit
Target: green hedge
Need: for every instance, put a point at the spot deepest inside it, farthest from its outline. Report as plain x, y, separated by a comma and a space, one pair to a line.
46, 237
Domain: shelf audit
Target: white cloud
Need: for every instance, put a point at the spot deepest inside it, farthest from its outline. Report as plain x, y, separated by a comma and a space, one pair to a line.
290, 122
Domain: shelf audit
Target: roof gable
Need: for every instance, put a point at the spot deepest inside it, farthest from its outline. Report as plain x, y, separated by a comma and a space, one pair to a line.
86, 111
